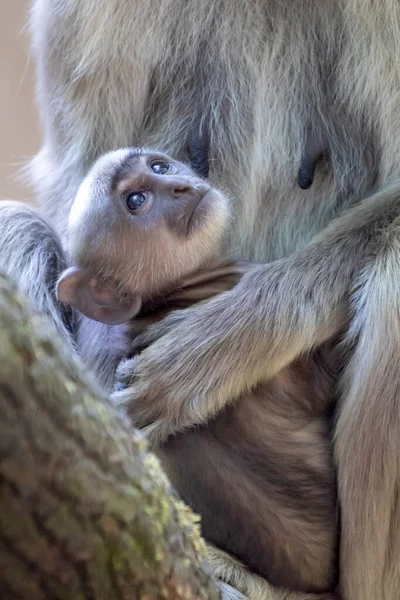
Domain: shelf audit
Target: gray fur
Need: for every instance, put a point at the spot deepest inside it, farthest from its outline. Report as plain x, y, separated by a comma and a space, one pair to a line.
31, 253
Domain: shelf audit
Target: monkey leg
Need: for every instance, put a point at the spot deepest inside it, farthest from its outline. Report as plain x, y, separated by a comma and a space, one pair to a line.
367, 441
31, 253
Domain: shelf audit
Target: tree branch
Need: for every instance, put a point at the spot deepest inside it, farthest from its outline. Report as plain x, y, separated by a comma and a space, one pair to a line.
86, 512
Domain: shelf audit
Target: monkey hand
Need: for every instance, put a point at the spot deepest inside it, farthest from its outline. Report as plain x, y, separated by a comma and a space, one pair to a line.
197, 360
175, 383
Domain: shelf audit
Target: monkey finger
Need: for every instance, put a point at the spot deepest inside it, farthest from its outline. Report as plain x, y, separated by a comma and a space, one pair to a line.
139, 404
127, 397
156, 433
157, 330
143, 340
229, 593
124, 374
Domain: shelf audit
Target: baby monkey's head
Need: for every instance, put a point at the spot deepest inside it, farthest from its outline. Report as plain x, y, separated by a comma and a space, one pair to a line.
140, 223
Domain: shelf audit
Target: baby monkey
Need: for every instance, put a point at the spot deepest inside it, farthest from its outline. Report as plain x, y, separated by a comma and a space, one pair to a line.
144, 238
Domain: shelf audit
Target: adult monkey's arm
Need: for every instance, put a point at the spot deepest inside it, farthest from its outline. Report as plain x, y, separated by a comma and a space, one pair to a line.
198, 360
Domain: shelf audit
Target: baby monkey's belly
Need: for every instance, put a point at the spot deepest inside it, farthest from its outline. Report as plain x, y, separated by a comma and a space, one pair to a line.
260, 475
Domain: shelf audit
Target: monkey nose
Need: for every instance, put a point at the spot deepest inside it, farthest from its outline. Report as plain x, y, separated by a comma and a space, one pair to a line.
181, 189
177, 187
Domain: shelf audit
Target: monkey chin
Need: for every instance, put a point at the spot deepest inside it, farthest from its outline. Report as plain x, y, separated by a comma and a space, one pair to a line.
206, 228
210, 217
203, 212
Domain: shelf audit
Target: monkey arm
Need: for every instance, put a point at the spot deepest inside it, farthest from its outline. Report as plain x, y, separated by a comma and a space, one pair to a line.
204, 357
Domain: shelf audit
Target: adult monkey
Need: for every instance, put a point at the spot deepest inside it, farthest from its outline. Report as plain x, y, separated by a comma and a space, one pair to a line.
258, 92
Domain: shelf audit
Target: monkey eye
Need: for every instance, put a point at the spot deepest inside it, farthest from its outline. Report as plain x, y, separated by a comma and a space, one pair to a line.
135, 201
160, 167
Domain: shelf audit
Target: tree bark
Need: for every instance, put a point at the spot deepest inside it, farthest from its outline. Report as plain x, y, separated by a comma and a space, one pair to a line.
85, 510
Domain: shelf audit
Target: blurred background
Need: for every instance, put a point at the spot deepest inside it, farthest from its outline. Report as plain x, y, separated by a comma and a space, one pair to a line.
19, 128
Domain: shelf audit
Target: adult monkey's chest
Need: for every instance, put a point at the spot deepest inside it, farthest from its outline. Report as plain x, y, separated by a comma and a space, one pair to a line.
252, 98
253, 79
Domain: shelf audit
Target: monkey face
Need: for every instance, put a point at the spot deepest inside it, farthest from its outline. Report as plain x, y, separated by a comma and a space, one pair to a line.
157, 191
140, 222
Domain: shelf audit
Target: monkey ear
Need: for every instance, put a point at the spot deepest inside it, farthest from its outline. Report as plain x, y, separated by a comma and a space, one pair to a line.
97, 300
